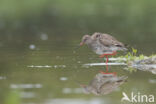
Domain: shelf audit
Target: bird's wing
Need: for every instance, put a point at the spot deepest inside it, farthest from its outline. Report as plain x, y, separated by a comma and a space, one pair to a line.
108, 40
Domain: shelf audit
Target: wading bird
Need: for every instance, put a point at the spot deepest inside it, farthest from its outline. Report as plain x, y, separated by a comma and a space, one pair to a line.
103, 45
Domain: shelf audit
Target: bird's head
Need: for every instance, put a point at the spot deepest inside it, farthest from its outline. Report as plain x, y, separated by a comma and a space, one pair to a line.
86, 39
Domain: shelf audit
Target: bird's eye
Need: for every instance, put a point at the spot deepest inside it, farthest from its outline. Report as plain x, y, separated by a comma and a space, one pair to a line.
97, 35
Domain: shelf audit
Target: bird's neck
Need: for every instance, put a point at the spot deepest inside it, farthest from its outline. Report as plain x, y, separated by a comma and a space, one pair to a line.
90, 41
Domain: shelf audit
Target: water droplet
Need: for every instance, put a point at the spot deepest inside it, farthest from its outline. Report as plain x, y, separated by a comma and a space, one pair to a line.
44, 36
63, 78
67, 90
79, 62
32, 46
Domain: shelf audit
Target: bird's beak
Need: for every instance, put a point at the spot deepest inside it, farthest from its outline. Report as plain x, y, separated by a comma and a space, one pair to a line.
82, 43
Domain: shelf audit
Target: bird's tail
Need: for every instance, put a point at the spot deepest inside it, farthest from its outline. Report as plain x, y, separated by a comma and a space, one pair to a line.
124, 49
127, 48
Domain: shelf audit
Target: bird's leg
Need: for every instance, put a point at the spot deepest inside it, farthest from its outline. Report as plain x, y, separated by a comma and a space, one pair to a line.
114, 73
107, 63
103, 55
114, 53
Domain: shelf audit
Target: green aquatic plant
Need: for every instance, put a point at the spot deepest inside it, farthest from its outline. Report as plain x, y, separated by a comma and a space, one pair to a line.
132, 58
131, 70
153, 55
134, 51
131, 55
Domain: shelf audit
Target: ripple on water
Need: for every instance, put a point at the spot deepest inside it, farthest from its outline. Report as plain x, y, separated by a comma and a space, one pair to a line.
25, 86
44, 36
63, 78
75, 101
27, 94
72, 90
100, 64
153, 81
46, 66
2, 77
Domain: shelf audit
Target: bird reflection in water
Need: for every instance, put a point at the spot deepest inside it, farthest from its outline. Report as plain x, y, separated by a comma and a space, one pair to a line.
103, 84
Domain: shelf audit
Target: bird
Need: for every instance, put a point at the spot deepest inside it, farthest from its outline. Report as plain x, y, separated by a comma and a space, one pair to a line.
103, 84
103, 44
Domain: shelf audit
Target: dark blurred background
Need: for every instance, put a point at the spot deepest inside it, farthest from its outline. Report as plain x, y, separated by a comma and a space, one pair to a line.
131, 21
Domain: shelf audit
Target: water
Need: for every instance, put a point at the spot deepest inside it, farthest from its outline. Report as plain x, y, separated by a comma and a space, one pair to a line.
49, 73
39, 61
